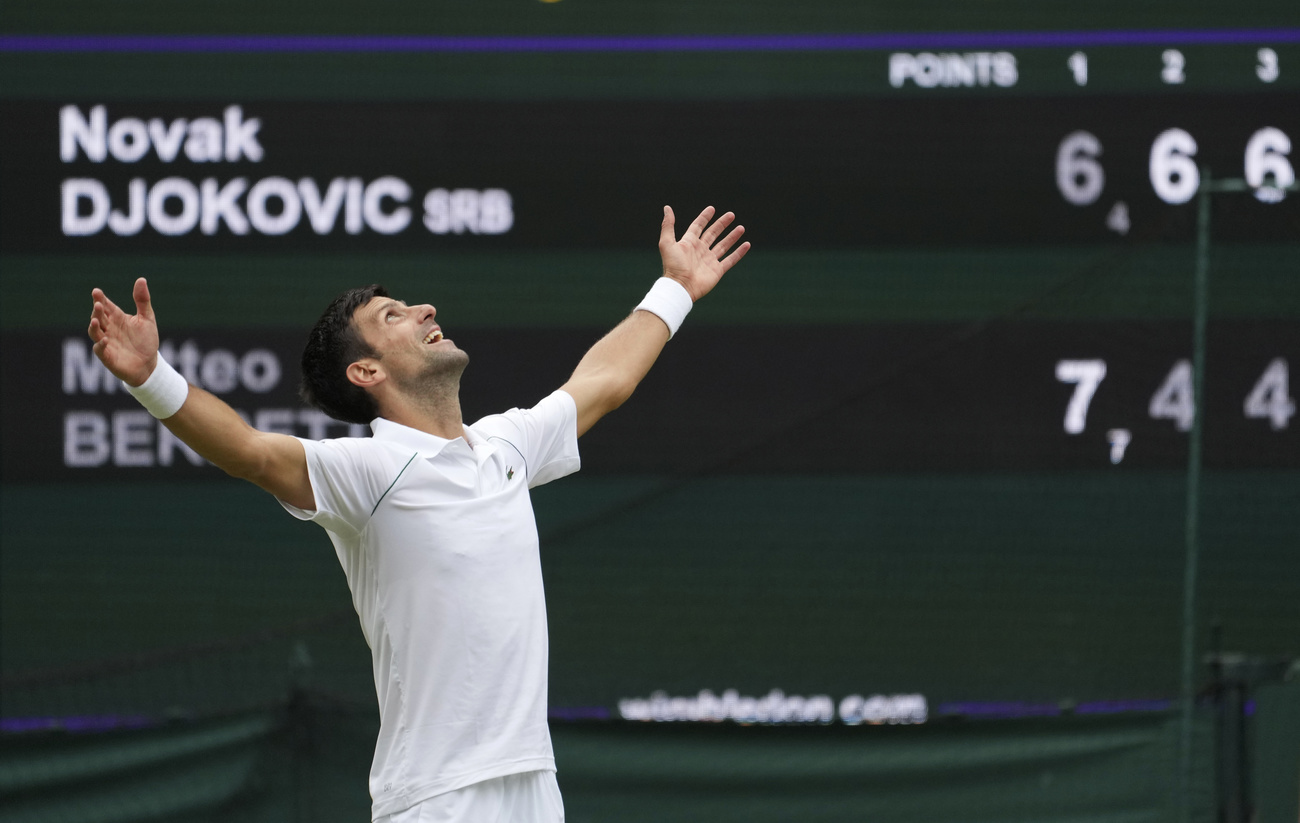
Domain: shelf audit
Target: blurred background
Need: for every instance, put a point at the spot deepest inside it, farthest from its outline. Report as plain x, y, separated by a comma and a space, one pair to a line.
914, 520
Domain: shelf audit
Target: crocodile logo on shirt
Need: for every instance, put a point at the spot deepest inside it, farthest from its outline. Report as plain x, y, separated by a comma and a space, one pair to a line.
510, 472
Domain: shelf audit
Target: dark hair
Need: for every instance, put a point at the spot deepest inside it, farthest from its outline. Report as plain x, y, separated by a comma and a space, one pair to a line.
333, 345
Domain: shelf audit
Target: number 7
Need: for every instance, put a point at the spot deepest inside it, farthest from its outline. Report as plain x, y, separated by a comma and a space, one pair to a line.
1087, 376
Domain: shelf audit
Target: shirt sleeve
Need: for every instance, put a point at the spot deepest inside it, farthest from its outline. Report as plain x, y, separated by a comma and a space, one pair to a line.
349, 477
545, 435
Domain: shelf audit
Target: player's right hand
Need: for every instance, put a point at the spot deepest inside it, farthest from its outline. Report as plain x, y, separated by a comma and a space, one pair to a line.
126, 343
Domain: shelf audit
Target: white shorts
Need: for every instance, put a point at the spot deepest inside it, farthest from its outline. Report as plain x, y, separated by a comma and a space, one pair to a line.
528, 797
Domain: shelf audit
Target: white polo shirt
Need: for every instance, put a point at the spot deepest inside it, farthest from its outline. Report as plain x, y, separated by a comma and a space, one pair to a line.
439, 545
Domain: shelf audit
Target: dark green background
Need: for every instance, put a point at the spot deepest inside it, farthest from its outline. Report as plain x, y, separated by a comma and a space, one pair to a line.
1053, 586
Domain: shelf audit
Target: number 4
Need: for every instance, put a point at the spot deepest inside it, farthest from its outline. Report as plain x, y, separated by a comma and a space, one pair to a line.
1271, 397
1174, 399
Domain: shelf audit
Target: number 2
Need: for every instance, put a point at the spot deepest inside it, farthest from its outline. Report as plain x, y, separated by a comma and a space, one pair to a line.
1172, 73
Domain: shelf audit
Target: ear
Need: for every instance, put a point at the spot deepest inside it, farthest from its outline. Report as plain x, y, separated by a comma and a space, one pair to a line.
366, 373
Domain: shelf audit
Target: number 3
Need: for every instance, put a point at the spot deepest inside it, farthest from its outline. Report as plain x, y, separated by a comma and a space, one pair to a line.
1268, 69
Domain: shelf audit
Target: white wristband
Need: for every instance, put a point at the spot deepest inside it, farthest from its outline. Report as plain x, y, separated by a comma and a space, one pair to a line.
670, 301
163, 393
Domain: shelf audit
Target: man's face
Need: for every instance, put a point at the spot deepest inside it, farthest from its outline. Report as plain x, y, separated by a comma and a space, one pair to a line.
412, 348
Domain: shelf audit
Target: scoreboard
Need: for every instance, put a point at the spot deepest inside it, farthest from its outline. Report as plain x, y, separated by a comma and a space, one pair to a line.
278, 176
927, 440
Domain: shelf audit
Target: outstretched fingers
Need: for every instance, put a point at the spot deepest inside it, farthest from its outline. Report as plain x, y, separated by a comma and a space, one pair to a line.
732, 259
99, 329
727, 242
101, 301
697, 225
100, 346
100, 314
713, 232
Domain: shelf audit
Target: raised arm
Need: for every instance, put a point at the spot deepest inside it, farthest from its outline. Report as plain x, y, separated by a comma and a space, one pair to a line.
128, 346
611, 370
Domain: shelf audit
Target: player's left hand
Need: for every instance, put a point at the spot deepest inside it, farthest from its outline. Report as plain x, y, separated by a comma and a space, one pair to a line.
699, 259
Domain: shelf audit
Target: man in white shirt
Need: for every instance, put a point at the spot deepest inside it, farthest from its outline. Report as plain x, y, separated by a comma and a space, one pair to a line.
431, 518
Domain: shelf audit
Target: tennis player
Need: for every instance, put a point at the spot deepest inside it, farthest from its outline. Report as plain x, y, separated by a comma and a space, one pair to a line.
430, 517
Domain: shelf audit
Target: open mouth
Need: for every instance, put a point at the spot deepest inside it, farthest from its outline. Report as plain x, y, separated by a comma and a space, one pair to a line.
433, 336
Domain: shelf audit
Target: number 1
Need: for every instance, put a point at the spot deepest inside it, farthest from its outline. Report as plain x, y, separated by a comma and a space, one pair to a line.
1078, 63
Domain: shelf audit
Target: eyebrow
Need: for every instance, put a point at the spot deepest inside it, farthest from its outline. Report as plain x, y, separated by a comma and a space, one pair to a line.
384, 307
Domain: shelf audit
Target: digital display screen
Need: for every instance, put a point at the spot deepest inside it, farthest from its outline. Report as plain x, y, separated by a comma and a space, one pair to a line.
926, 446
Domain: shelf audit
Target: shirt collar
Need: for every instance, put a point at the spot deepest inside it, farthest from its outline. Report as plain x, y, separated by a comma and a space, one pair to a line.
428, 445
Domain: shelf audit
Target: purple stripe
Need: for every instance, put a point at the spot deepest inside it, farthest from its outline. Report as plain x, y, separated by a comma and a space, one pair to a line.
267, 43
1123, 706
999, 710
76, 723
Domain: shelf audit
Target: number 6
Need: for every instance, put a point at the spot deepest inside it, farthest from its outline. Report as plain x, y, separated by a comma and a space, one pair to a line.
1266, 156
1078, 174
1174, 175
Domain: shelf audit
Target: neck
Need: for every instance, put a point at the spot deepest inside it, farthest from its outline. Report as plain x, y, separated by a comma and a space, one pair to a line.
434, 412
